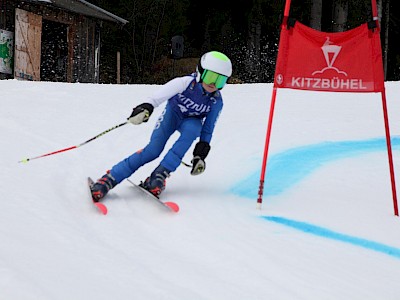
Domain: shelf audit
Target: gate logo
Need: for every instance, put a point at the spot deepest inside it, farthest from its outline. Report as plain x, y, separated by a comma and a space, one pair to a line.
326, 82
330, 52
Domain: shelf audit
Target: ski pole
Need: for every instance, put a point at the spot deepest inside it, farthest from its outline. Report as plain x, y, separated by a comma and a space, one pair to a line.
185, 164
73, 147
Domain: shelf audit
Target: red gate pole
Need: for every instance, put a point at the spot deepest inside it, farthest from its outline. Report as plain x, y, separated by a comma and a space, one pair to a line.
375, 12
375, 17
389, 150
287, 8
271, 116
266, 148
286, 12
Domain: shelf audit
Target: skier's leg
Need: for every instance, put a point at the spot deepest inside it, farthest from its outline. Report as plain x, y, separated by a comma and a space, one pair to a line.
190, 130
165, 126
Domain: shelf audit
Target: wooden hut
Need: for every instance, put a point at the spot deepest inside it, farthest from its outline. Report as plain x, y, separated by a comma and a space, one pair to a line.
51, 40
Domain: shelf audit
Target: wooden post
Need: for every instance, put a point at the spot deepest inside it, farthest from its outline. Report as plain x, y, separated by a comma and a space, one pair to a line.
118, 67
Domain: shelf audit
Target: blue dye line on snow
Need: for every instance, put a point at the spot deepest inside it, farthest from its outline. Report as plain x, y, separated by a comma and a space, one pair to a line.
289, 167
327, 233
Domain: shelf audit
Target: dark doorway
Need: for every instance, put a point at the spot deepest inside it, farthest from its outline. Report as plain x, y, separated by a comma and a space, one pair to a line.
54, 49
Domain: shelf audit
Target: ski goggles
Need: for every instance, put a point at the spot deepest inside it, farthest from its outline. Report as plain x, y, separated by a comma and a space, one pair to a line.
209, 77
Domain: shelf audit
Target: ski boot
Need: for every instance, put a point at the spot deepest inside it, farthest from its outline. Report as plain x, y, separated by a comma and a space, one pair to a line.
155, 184
102, 186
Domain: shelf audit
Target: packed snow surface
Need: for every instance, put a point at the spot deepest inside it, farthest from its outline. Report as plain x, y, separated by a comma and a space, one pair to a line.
326, 230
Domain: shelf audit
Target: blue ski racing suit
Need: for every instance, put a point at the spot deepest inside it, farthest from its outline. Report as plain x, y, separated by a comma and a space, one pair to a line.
190, 110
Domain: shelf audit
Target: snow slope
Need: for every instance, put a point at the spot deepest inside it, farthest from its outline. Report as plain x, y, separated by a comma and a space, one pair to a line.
326, 229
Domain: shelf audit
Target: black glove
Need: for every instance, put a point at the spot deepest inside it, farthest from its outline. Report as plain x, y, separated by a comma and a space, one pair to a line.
200, 153
141, 113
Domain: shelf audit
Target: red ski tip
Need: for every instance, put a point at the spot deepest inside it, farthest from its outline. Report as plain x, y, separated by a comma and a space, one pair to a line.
173, 206
101, 207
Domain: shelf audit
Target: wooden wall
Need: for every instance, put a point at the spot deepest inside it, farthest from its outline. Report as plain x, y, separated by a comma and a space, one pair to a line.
82, 37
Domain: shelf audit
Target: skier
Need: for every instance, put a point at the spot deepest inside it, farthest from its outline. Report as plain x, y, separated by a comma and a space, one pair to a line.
193, 107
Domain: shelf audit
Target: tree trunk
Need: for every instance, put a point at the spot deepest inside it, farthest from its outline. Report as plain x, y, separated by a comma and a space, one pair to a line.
253, 61
316, 15
386, 43
158, 31
340, 12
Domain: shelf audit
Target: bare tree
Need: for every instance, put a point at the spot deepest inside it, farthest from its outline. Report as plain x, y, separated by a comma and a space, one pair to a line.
145, 24
253, 61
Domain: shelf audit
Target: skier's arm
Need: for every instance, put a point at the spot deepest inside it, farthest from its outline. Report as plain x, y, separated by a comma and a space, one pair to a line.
170, 89
142, 112
203, 147
210, 122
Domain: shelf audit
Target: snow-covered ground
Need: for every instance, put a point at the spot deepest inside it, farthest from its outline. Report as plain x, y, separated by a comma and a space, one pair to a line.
326, 229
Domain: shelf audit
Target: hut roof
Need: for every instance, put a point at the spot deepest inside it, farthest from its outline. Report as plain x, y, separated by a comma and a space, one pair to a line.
85, 8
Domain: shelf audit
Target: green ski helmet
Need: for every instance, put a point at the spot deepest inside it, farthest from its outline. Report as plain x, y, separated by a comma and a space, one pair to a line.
214, 67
